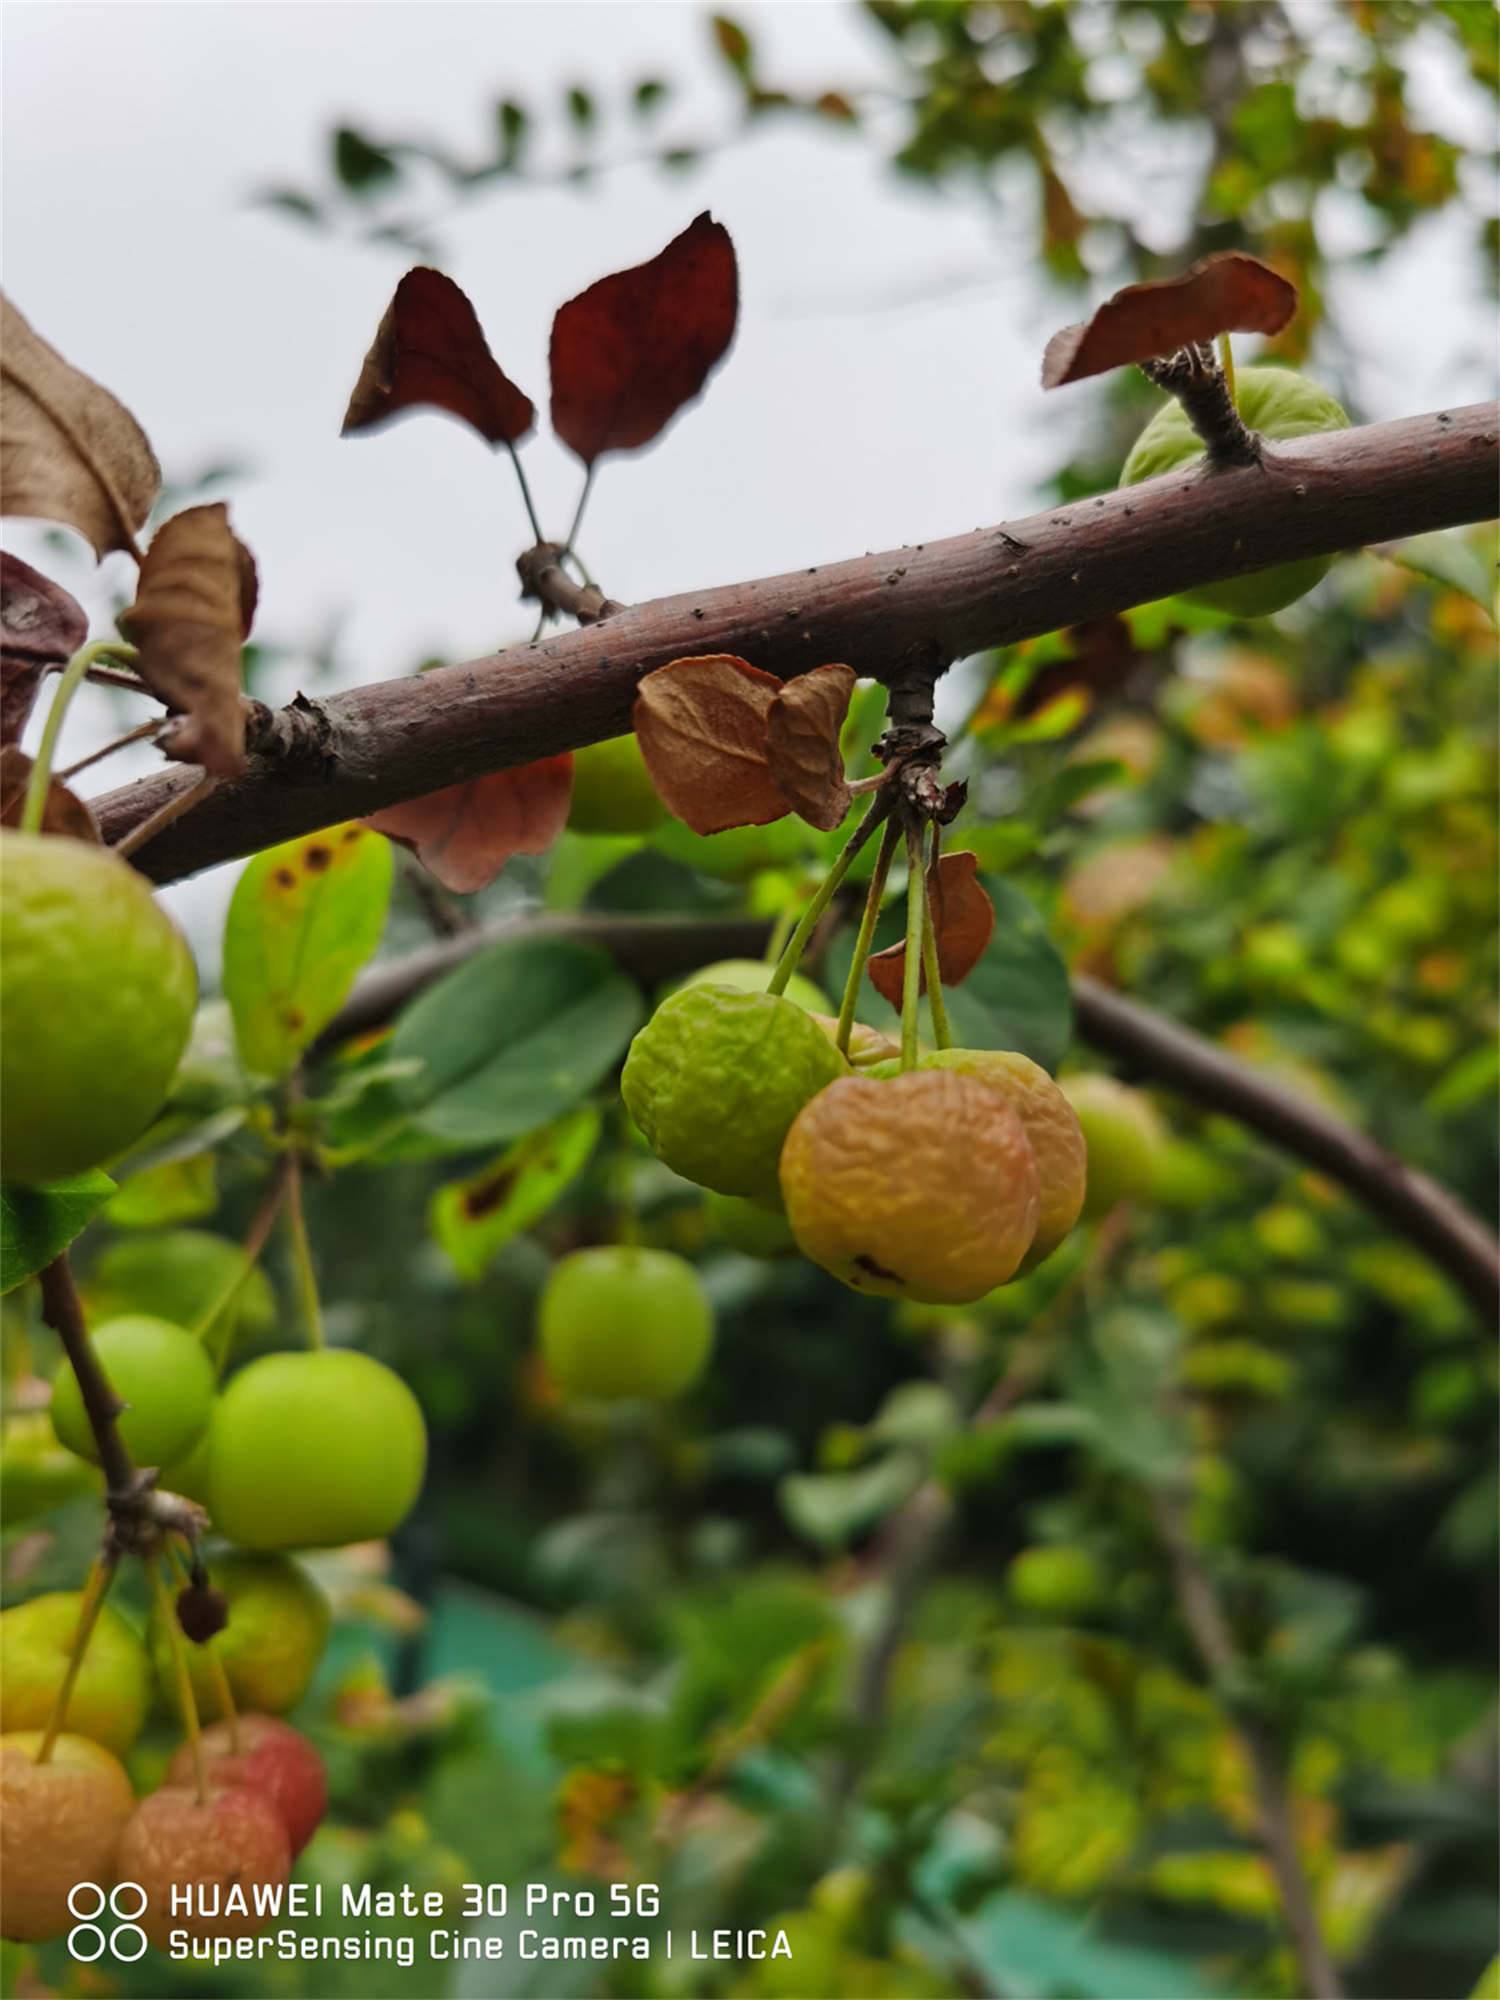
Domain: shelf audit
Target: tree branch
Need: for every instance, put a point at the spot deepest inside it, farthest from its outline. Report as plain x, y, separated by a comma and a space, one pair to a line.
317, 763
653, 949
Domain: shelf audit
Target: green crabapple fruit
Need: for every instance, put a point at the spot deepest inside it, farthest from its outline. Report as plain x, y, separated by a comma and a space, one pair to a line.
262, 1754
1279, 404
95, 1005
1058, 1582
620, 1321
271, 1645
163, 1376
753, 975
612, 790
232, 1839
60, 1824
112, 1693
754, 1228
1125, 1140
311, 1451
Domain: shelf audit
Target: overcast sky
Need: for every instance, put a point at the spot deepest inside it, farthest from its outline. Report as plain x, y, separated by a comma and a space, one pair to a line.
883, 387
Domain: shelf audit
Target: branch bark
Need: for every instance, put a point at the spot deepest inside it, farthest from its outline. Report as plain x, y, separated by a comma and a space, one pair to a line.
653, 949
317, 763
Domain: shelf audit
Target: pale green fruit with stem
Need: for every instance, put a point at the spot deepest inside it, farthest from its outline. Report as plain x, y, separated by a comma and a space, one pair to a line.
97, 990
620, 1321
271, 1645
1280, 404
612, 790
112, 1693
163, 1376
314, 1451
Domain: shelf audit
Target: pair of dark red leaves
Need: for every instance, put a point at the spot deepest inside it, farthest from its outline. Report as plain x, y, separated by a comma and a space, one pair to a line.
625, 355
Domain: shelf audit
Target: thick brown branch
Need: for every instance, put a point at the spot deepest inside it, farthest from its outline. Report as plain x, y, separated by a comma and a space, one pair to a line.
319, 763
653, 949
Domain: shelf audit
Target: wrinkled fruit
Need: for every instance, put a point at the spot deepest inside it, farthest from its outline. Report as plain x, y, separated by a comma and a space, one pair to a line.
96, 1003
233, 1840
619, 1321
271, 1645
310, 1451
922, 1186
163, 1376
1051, 1125
263, 1754
112, 1694
60, 1824
1279, 404
753, 975
716, 1077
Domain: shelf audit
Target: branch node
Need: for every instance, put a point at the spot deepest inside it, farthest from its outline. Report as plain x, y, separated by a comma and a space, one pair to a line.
544, 581
1196, 378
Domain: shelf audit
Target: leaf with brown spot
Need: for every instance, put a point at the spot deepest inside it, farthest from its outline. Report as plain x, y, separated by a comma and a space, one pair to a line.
68, 451
802, 744
631, 350
963, 921
41, 626
701, 724
465, 834
430, 352
1227, 293
65, 812
473, 1219
190, 618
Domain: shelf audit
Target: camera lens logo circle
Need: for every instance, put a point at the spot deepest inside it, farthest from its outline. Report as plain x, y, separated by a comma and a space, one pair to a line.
89, 1939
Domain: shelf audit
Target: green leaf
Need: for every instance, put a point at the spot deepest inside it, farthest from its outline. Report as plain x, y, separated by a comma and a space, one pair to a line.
173, 1191
1471, 1080
303, 919
474, 1219
513, 1039
38, 1224
831, 1508
1019, 1944
1448, 558
1018, 996
360, 166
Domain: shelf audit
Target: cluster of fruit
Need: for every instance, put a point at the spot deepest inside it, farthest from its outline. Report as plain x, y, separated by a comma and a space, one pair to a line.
235, 1803
937, 1183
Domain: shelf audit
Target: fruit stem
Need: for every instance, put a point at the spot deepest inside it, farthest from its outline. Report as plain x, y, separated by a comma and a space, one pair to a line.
166, 1611
223, 1692
34, 808
781, 930
261, 1224
627, 1222
916, 924
932, 972
796, 944
1226, 362
520, 472
302, 1257
100, 1574
577, 522
869, 917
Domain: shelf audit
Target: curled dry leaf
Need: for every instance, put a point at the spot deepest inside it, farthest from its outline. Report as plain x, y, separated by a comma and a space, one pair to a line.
430, 352
631, 350
41, 626
1228, 293
802, 744
191, 614
68, 451
701, 724
465, 834
64, 812
963, 921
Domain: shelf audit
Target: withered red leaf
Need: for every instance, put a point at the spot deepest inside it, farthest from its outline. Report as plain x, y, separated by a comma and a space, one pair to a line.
802, 744
430, 352
193, 607
701, 725
631, 350
1226, 293
465, 834
963, 921
64, 812
41, 626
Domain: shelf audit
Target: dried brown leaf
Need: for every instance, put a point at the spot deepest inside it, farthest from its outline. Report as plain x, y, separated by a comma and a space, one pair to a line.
1227, 293
68, 451
64, 813
430, 352
963, 921
631, 350
802, 744
465, 834
701, 725
41, 626
191, 614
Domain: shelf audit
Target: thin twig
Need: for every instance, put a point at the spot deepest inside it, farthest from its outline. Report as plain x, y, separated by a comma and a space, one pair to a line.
164, 815
63, 1311
135, 735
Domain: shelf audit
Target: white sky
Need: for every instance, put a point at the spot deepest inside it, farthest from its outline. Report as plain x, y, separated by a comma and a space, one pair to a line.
134, 132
